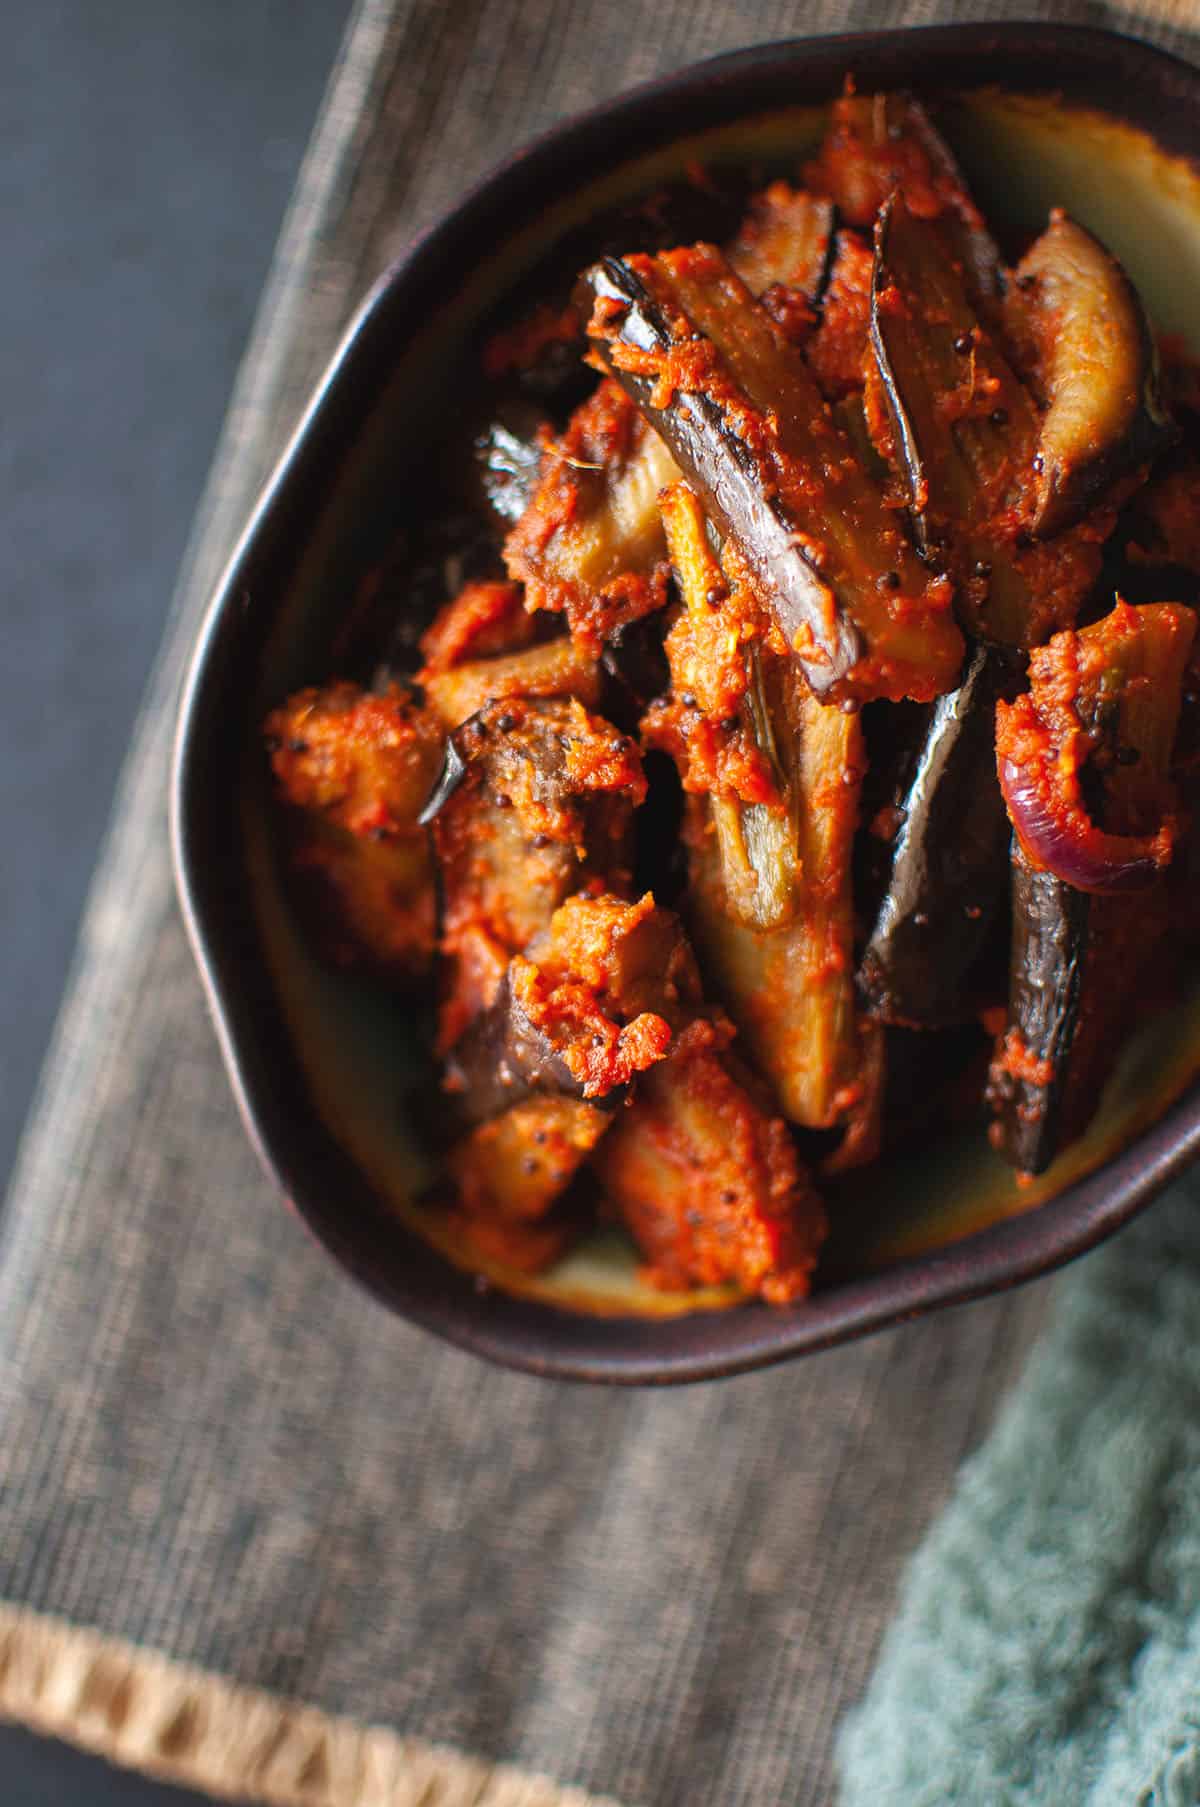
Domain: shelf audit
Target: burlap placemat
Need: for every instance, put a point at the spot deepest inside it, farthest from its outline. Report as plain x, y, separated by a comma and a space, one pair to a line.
255, 1534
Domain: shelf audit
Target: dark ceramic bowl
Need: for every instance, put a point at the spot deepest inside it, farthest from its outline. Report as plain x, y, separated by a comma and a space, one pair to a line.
319, 1061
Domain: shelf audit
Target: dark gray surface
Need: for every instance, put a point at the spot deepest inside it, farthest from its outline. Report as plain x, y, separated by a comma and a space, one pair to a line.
148, 151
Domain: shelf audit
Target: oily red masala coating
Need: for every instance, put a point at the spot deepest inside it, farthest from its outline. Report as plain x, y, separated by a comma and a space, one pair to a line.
837, 350
590, 545
593, 1004
777, 475
356, 769
707, 1181
544, 807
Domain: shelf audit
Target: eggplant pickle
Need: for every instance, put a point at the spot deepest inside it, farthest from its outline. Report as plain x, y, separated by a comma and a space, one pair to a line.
745, 421
1094, 362
355, 769
1085, 759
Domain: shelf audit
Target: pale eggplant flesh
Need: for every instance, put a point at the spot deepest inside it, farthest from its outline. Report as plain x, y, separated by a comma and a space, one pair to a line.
1095, 362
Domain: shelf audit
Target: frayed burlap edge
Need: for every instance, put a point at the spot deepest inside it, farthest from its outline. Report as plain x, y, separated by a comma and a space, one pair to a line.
169, 1719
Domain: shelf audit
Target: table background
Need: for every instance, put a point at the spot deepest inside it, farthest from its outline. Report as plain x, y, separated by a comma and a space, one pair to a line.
130, 285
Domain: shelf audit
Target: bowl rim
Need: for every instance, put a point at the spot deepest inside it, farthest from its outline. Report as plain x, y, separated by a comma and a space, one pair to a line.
518, 1332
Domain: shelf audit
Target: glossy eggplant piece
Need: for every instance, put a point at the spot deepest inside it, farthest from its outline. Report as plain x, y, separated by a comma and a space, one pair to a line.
1096, 366
502, 1058
707, 1180
1080, 957
949, 863
783, 253
589, 538
878, 144
590, 541
591, 1006
555, 668
790, 987
958, 422
744, 419
354, 769
508, 1176
538, 798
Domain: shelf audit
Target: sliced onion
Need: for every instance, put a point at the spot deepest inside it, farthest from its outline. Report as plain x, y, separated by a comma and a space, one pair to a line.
1066, 842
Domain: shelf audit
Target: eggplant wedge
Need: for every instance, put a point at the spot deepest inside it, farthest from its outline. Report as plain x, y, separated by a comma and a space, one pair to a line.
1095, 363
878, 144
593, 1003
354, 768
783, 253
771, 827
1084, 761
790, 986
556, 668
708, 1181
744, 419
507, 1178
590, 540
536, 799
959, 427
949, 861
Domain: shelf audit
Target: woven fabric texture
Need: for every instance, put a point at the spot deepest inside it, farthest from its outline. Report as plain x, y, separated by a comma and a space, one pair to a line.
1048, 1643
216, 1452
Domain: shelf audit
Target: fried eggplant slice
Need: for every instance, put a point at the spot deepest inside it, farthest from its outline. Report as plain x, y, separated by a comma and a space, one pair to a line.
1084, 761
743, 417
355, 769
509, 1174
878, 144
1094, 362
950, 836
707, 1181
483, 646
591, 1004
537, 802
774, 780
790, 989
590, 543
951, 416
837, 351
556, 668
702, 721
782, 253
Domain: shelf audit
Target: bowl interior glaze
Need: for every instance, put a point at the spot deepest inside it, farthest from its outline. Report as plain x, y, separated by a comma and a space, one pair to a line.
347, 1055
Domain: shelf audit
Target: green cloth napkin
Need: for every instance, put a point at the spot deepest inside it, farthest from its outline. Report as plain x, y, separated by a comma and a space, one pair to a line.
1047, 1646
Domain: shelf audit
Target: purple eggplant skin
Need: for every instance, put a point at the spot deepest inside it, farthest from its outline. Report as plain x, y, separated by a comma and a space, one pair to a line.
950, 861
635, 670
725, 473
1052, 928
1097, 365
503, 1058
